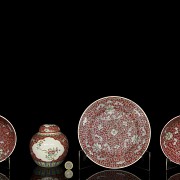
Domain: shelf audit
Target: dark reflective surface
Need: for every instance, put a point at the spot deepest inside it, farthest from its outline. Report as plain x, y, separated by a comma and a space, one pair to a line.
175, 177
140, 169
100, 172
113, 174
55, 173
173, 172
5, 169
27, 110
3, 177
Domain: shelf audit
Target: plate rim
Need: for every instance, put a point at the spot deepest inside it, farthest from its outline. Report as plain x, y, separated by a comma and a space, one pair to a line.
108, 170
172, 119
1, 160
4, 176
174, 175
149, 139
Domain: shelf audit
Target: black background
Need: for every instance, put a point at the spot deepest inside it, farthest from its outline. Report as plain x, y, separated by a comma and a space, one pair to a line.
27, 105
52, 69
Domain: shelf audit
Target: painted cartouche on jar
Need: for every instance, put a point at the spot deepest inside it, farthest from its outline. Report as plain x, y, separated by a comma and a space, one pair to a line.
49, 146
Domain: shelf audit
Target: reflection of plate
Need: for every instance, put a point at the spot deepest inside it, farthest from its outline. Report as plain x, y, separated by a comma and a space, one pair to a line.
3, 177
114, 132
170, 140
175, 177
7, 138
113, 174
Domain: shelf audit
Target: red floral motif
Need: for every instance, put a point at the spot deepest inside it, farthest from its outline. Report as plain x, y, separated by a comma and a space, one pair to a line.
113, 174
56, 135
170, 140
114, 132
7, 138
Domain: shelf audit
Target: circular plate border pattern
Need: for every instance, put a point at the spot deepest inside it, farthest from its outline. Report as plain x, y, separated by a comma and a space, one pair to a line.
114, 132
170, 140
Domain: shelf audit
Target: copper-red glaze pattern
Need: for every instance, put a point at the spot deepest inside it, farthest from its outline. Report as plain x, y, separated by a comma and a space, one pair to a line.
7, 138
49, 146
170, 140
114, 132
50, 129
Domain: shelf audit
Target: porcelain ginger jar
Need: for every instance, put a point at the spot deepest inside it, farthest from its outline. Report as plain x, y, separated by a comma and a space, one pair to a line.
49, 146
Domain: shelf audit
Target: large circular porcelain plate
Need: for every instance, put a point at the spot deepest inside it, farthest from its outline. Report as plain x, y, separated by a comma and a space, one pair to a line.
170, 140
114, 132
7, 138
113, 174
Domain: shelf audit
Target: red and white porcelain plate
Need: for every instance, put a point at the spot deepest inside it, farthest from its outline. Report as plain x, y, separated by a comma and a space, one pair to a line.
7, 138
114, 132
170, 140
114, 174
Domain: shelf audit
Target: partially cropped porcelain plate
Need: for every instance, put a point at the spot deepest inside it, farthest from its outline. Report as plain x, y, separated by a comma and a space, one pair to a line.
8, 138
170, 140
114, 132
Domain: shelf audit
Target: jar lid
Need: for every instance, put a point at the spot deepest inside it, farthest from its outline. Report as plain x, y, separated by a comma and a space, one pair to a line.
49, 128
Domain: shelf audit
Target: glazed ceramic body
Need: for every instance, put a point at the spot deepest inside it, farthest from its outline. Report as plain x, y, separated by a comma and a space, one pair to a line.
8, 139
49, 146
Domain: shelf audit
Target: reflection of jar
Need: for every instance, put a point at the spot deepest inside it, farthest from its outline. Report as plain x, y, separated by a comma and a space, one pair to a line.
49, 146
54, 173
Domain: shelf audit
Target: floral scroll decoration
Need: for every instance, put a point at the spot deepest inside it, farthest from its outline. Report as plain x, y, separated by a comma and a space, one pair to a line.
51, 153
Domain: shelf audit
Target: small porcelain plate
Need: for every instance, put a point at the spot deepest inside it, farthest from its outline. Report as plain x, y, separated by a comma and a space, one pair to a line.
114, 132
8, 138
113, 174
170, 140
